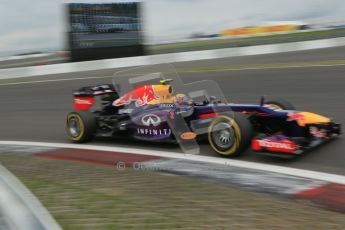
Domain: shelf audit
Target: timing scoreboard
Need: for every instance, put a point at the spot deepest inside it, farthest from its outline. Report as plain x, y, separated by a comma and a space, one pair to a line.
105, 30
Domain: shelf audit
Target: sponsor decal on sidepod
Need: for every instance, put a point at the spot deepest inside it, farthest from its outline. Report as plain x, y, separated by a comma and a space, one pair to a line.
188, 136
150, 119
154, 132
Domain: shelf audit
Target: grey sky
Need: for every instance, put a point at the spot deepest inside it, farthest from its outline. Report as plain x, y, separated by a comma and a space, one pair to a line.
28, 25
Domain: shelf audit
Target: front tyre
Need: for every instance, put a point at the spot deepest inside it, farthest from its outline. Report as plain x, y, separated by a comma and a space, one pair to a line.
280, 104
230, 136
80, 126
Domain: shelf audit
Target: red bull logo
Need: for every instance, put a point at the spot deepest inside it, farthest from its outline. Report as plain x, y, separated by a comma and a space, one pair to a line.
147, 94
140, 96
296, 116
304, 118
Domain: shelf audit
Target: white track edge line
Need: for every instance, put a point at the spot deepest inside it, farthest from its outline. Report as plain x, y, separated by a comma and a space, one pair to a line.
334, 178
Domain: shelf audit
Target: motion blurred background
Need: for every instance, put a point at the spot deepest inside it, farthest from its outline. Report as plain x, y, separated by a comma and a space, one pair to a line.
95, 30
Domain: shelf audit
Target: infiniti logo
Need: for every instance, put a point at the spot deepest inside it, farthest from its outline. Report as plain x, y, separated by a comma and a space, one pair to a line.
151, 119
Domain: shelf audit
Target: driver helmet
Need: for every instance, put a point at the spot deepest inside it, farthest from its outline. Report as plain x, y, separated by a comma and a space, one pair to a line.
181, 99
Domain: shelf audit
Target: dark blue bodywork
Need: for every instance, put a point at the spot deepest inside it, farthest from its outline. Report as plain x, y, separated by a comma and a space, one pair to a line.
260, 116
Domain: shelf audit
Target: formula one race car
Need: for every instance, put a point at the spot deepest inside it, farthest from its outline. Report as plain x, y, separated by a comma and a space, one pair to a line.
153, 113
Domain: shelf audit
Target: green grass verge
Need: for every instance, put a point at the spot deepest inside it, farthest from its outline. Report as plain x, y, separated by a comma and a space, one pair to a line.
84, 196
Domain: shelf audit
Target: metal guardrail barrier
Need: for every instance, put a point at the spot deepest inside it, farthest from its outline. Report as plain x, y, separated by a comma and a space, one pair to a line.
63, 68
19, 208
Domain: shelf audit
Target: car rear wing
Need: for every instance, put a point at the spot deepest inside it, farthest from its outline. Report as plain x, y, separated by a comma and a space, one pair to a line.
91, 91
84, 97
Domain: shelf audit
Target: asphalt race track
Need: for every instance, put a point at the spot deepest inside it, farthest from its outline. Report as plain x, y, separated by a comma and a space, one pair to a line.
36, 112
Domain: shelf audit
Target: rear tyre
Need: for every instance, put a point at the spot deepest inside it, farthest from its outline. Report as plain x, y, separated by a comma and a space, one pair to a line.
80, 126
280, 104
230, 136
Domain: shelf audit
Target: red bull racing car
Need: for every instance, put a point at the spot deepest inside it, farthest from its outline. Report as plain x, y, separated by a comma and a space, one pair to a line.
155, 113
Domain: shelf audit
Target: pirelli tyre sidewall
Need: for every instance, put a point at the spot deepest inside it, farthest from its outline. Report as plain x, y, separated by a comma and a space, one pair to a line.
80, 126
230, 136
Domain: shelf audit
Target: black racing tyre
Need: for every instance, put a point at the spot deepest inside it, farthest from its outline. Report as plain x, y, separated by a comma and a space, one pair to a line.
280, 104
80, 126
230, 136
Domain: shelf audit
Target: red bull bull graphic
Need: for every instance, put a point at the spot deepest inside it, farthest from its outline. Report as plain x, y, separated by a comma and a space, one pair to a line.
140, 95
147, 94
304, 118
295, 117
